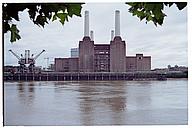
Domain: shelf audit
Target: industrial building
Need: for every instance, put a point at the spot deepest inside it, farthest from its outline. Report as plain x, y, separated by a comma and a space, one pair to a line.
74, 52
109, 57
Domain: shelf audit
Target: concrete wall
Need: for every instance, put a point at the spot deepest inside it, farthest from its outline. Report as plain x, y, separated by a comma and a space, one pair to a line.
86, 55
143, 62
147, 63
61, 65
117, 55
73, 64
138, 63
66, 64
131, 63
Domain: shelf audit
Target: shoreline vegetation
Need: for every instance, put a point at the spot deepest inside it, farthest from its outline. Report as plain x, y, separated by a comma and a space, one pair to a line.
178, 75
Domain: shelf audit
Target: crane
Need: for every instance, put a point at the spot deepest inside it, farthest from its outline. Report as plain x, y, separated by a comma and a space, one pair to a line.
23, 62
15, 54
32, 61
38, 54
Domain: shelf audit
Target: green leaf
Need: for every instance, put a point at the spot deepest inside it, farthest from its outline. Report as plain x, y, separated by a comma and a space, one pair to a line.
168, 4
14, 33
62, 17
39, 13
6, 27
142, 17
148, 6
41, 20
181, 5
54, 17
32, 14
131, 3
74, 9
149, 18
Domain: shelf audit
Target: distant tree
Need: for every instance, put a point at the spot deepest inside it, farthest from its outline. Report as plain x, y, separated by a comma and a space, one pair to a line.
169, 66
41, 13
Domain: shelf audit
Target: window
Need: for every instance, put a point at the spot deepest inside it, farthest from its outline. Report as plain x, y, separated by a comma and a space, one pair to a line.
101, 52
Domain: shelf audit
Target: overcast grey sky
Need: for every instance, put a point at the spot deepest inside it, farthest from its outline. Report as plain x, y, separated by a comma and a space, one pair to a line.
166, 44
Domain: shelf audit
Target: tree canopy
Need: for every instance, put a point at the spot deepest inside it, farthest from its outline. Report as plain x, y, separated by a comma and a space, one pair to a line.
152, 11
41, 13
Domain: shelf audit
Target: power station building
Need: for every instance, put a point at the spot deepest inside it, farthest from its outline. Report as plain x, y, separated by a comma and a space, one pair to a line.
102, 57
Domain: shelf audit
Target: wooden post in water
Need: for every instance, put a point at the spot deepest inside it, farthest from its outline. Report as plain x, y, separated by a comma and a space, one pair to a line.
116, 76
33, 77
19, 77
47, 76
70, 76
102, 76
25, 76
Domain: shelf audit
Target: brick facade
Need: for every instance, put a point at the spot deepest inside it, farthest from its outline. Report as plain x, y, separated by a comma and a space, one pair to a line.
103, 58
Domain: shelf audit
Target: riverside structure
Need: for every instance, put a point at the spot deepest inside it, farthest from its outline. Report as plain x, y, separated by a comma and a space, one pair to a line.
103, 57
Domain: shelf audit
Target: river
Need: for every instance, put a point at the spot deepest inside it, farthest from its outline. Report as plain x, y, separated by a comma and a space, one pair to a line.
96, 102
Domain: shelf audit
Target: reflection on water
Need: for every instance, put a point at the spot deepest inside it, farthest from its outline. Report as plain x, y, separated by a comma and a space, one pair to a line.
139, 95
96, 102
26, 92
102, 96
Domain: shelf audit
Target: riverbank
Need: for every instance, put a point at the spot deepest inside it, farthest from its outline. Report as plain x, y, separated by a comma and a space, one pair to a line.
78, 76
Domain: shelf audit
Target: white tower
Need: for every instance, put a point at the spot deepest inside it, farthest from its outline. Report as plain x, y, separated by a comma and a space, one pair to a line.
117, 23
86, 24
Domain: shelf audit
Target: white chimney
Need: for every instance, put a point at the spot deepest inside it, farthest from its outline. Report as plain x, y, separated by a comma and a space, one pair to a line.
86, 24
112, 34
91, 35
117, 23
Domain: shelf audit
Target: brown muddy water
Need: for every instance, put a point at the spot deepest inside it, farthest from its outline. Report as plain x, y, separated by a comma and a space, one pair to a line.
96, 102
